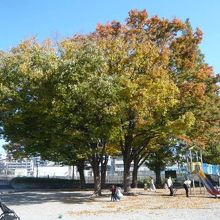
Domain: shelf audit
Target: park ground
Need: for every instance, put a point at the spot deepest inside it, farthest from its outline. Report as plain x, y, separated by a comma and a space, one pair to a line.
139, 205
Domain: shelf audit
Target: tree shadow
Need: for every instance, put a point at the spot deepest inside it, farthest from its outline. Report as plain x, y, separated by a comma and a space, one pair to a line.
39, 197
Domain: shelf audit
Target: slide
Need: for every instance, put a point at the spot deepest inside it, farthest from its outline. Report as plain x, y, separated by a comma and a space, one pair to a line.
207, 183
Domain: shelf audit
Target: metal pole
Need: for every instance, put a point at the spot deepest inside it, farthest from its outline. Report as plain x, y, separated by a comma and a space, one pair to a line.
190, 190
197, 156
201, 159
200, 189
193, 186
190, 153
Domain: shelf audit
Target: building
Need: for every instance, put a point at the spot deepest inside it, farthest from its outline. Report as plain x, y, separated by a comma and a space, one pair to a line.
39, 168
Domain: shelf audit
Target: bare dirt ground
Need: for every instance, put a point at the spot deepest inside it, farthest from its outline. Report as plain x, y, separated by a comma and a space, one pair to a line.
139, 205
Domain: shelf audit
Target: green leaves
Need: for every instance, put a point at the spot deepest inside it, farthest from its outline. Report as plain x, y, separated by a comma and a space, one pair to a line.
27, 92
123, 85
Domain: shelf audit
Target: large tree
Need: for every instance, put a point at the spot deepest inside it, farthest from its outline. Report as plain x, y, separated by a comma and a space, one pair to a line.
125, 85
86, 101
144, 54
26, 92
58, 104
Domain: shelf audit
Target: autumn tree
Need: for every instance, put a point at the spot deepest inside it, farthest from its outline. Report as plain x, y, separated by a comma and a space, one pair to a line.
144, 53
59, 104
86, 102
125, 85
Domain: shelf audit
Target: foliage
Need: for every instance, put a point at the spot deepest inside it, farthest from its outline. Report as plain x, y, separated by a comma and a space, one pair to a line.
133, 88
212, 155
147, 182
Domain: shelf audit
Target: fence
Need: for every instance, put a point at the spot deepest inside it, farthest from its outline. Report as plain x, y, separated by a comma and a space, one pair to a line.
4, 180
114, 179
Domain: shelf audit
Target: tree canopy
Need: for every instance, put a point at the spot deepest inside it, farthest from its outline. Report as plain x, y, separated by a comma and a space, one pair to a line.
127, 88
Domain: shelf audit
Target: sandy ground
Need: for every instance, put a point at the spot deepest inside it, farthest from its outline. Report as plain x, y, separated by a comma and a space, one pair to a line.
139, 205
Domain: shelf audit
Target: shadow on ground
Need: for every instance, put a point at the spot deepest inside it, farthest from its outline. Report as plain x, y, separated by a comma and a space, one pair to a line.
38, 197
72, 197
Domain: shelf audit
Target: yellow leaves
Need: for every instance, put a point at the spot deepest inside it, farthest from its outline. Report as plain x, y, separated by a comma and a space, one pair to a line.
24, 67
68, 48
161, 95
5, 91
182, 124
188, 118
113, 150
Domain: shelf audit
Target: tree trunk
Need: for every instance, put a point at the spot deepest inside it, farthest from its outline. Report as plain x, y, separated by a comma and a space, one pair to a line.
97, 181
127, 149
103, 170
127, 164
126, 180
80, 167
96, 173
135, 174
158, 176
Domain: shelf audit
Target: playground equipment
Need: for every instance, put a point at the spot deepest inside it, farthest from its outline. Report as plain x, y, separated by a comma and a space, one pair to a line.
198, 170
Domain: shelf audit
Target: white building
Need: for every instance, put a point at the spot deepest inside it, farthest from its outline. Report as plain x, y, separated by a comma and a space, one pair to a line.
39, 168
16, 167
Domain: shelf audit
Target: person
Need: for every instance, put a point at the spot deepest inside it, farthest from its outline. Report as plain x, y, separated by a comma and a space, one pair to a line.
113, 190
152, 186
187, 185
118, 193
170, 185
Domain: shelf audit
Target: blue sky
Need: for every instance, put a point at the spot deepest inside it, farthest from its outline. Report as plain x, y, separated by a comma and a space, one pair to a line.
56, 19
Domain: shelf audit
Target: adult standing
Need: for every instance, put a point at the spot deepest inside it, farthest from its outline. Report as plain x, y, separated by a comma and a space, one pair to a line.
187, 185
152, 186
170, 185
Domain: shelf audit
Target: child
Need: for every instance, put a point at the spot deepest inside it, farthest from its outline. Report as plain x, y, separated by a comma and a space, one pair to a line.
113, 190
